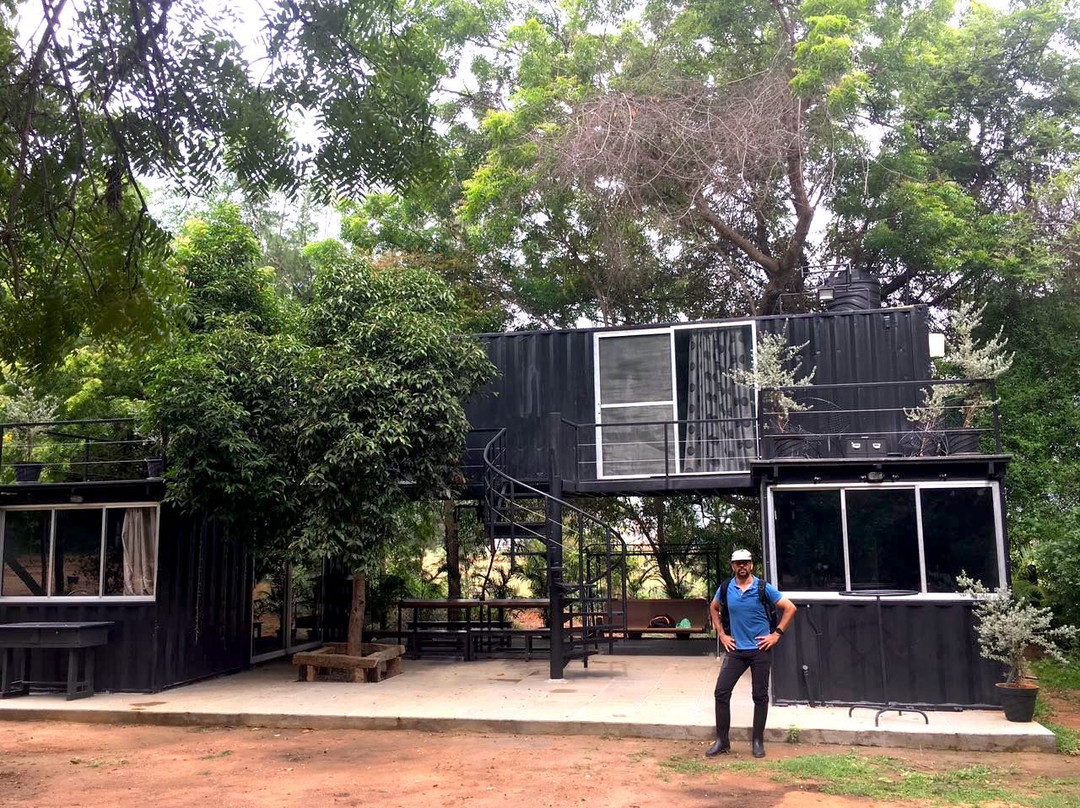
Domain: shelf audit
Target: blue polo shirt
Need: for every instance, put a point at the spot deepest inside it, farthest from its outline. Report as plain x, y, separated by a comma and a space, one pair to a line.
746, 613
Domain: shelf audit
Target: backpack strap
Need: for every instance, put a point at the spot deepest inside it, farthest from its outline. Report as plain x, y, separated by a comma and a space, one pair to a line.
768, 606
725, 618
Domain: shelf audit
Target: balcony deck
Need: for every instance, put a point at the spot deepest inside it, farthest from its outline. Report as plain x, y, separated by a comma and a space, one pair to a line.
839, 430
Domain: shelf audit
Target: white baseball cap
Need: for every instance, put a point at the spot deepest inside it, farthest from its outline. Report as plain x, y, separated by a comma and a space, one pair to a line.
741, 555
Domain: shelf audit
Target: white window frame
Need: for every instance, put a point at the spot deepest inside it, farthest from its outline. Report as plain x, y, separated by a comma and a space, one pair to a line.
103, 507
916, 486
674, 402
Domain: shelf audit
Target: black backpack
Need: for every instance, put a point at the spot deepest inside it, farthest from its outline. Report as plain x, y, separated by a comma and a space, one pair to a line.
766, 604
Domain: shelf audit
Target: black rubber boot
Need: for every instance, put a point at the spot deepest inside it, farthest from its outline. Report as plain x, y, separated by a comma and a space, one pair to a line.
723, 723
757, 746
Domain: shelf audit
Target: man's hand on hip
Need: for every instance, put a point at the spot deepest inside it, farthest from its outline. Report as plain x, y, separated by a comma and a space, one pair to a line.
767, 641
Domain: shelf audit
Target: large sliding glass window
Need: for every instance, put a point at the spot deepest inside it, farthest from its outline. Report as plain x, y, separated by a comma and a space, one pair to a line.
718, 416
636, 390
80, 552
883, 539
666, 403
77, 553
286, 608
918, 537
809, 540
27, 537
959, 536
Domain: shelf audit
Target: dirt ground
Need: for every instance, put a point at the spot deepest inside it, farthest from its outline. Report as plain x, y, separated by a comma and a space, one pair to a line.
48, 763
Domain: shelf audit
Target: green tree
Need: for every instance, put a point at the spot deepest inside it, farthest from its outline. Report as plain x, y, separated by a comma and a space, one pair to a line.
1040, 421
310, 442
217, 256
676, 163
976, 118
108, 93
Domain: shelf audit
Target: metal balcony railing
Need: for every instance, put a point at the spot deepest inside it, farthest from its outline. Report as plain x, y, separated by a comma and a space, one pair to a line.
96, 450
825, 421
880, 419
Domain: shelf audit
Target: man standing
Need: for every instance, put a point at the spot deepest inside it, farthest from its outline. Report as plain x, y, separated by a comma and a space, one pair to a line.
744, 616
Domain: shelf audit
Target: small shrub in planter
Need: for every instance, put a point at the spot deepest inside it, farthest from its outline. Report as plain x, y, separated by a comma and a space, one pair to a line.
1006, 627
966, 358
34, 413
776, 369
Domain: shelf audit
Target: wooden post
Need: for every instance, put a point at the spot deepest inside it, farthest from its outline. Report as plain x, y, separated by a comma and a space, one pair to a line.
356, 615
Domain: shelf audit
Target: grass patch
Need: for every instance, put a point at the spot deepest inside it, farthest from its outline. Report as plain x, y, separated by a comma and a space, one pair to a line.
886, 779
883, 778
1068, 740
682, 765
217, 755
1055, 676
1048, 793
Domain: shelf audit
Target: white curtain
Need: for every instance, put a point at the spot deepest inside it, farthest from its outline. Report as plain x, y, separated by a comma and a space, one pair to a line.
139, 539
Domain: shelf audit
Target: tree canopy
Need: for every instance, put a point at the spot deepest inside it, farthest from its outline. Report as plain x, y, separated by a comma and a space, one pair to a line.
307, 439
707, 158
102, 96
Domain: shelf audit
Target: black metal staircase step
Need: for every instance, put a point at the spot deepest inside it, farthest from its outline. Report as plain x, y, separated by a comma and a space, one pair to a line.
506, 530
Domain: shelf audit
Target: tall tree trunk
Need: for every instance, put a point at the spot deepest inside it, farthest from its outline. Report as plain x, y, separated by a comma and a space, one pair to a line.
453, 552
356, 615
663, 555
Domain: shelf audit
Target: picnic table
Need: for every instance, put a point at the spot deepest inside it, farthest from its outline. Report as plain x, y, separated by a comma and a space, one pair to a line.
467, 627
79, 639
439, 634
495, 635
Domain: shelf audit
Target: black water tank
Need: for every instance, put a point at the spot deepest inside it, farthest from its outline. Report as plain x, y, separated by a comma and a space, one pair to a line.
854, 290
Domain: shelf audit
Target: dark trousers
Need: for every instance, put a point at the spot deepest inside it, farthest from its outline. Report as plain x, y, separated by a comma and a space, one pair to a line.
735, 665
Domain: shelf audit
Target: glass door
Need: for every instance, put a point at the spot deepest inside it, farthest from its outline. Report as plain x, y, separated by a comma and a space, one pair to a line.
286, 609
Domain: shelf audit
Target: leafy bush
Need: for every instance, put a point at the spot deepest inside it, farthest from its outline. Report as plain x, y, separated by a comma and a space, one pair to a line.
1007, 625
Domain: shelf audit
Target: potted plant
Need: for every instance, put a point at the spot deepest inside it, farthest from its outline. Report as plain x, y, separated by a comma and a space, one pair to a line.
776, 370
966, 358
30, 416
1006, 627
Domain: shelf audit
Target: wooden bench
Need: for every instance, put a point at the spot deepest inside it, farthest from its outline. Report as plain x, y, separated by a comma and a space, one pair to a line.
499, 641
378, 662
640, 612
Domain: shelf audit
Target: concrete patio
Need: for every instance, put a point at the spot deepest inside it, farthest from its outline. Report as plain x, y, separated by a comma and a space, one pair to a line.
642, 696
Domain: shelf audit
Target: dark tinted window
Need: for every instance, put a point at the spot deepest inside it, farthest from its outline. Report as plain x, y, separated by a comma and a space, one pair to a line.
77, 560
883, 539
26, 552
958, 535
809, 540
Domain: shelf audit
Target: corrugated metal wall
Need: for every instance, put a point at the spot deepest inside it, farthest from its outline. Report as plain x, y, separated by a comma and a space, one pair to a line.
552, 371
200, 624
204, 600
861, 346
126, 663
539, 372
931, 655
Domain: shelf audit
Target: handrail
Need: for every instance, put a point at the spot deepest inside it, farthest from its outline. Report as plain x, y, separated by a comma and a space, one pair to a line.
489, 464
493, 474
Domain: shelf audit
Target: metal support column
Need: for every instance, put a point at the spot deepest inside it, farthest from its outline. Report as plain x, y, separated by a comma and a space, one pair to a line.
554, 512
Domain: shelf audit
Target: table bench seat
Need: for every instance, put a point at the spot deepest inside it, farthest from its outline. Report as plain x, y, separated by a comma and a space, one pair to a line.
79, 639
